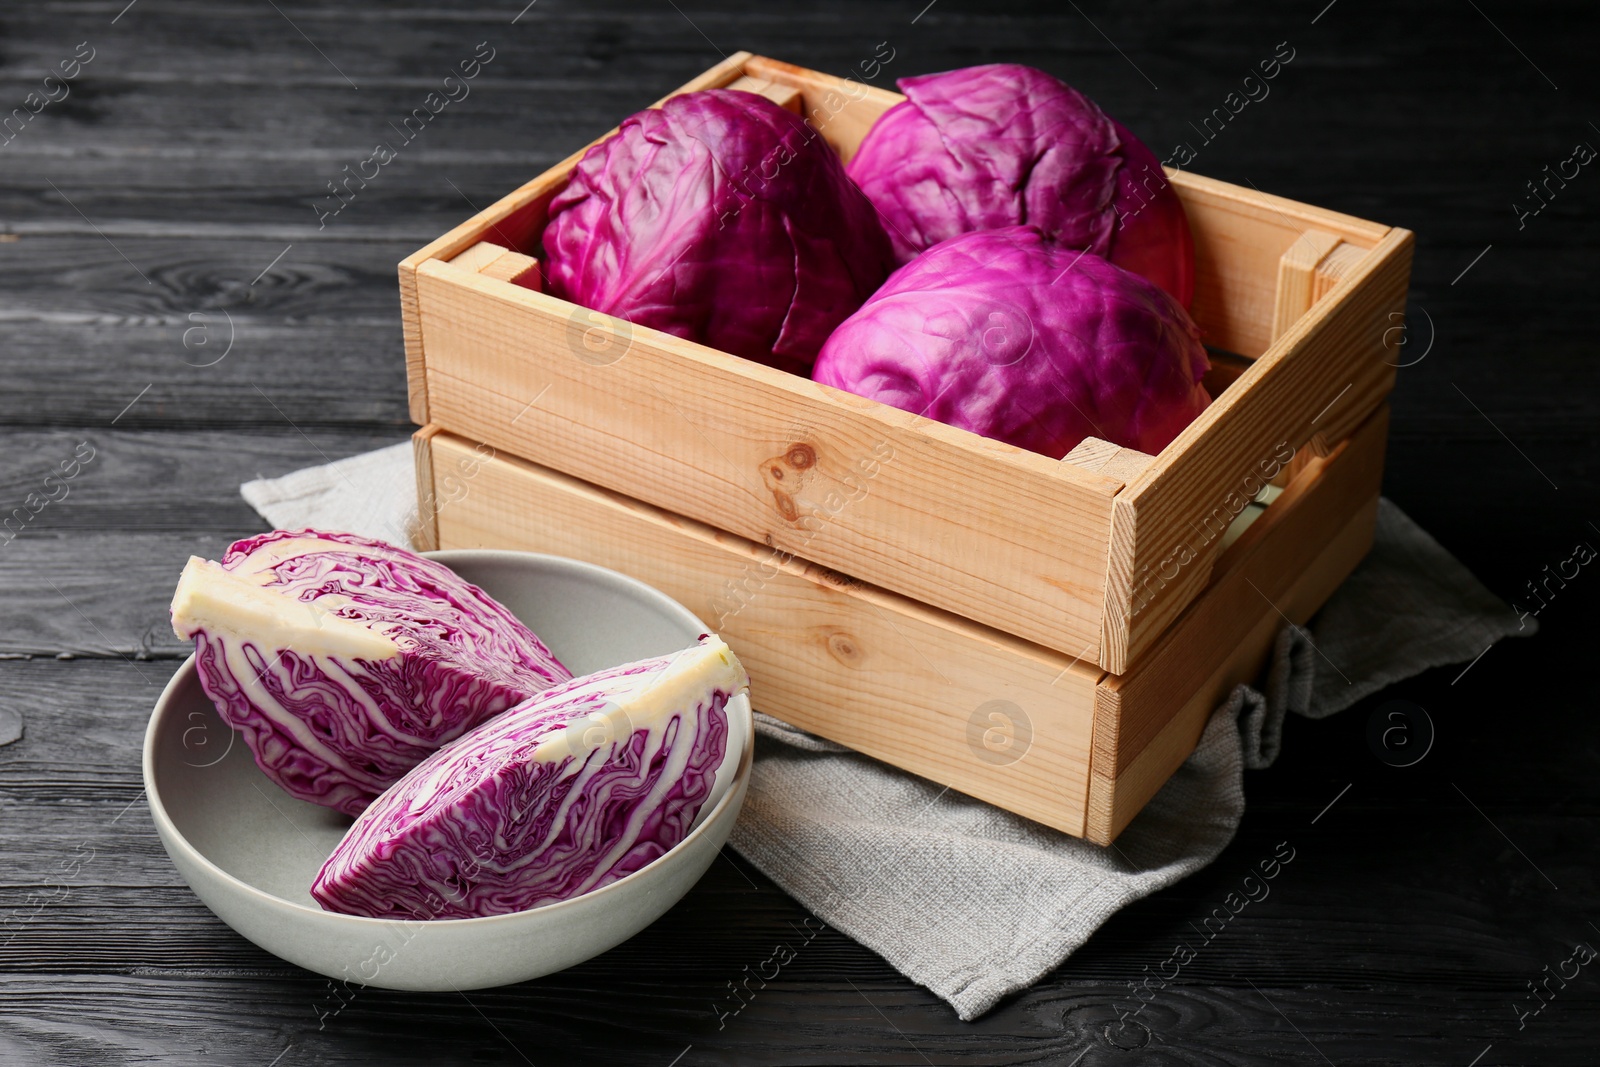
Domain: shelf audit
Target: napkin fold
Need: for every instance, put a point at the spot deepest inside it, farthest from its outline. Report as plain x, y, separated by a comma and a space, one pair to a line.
962, 897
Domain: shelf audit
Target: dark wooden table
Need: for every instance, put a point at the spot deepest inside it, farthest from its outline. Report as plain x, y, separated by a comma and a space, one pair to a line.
172, 307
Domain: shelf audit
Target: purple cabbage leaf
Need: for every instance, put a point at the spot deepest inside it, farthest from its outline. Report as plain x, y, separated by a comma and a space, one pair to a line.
344, 662
1000, 145
1020, 339
569, 791
722, 218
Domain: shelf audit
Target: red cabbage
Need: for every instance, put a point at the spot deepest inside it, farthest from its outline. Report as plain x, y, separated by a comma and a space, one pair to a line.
722, 218
569, 791
345, 662
1001, 145
1017, 338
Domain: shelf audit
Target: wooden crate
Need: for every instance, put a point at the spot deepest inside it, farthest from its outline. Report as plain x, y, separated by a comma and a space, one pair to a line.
1093, 556
1009, 721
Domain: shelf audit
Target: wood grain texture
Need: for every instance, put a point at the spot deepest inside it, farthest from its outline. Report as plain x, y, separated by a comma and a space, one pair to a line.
496, 261
1114, 461
885, 675
927, 691
426, 538
1322, 377
841, 110
1297, 278
1282, 569
1240, 235
1333, 268
785, 96
1003, 536
516, 268
92, 572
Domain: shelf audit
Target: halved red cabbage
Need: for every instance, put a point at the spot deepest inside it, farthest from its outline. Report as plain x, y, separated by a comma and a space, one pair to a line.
1020, 339
1000, 145
569, 791
344, 662
722, 218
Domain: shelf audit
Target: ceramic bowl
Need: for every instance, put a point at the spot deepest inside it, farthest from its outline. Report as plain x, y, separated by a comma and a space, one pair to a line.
250, 851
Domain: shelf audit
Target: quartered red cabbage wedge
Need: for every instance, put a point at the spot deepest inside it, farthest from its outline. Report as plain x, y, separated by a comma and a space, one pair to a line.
344, 662
573, 789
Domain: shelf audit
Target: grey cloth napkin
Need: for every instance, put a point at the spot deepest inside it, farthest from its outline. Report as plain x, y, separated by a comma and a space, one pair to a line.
962, 897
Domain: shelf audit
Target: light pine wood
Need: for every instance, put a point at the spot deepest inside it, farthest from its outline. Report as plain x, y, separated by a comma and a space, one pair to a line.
1226, 368
1103, 457
1283, 567
1335, 267
425, 537
785, 96
875, 671
731, 69
411, 335
1005, 537
969, 525
495, 261
478, 256
1297, 277
1239, 236
516, 268
840, 109
1323, 376
902, 682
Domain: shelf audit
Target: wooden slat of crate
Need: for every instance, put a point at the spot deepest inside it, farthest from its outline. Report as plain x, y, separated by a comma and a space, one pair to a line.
1148, 720
1324, 376
1297, 278
840, 109
1240, 237
957, 520
909, 684
875, 671
785, 96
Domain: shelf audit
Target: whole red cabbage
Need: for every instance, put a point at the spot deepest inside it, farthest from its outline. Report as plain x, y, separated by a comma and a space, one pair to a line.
1017, 338
1001, 145
722, 218
579, 786
344, 662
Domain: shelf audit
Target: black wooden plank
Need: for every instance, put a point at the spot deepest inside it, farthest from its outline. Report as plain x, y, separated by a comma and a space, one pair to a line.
324, 376
91, 572
156, 1018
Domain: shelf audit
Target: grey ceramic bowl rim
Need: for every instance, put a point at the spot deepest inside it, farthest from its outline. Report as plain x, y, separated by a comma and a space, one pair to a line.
172, 835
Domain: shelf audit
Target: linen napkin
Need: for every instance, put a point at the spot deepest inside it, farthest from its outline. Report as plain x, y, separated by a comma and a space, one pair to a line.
962, 897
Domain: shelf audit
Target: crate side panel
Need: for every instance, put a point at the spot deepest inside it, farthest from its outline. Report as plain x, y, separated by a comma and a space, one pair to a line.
841, 110
425, 532
862, 667
1321, 378
1114, 801
993, 533
1240, 235
1286, 564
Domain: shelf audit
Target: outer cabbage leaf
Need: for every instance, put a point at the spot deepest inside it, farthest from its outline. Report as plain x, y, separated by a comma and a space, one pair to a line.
1001, 145
722, 218
1020, 339
344, 662
573, 789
